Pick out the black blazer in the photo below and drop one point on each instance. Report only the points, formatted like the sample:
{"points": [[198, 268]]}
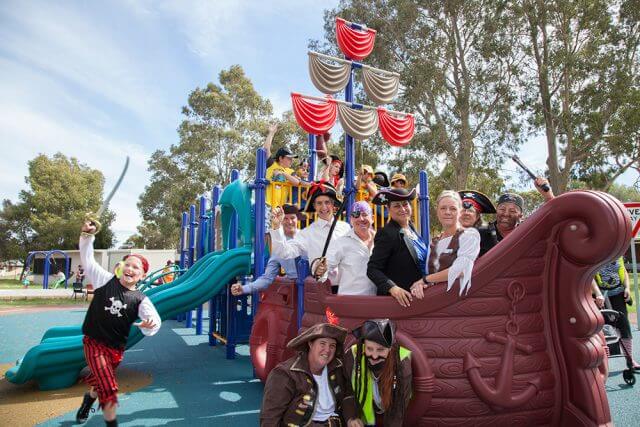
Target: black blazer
{"points": [[394, 260]]}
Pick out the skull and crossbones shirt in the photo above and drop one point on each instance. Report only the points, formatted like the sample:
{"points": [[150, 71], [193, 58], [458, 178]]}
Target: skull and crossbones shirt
{"points": [[112, 312], [114, 308]]}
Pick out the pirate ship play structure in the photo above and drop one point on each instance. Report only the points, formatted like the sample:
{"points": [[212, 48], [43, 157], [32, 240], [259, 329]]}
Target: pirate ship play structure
{"points": [[523, 347]]}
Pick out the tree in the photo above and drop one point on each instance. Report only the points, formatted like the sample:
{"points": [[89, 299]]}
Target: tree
{"points": [[61, 191], [223, 127], [457, 63], [583, 86]]}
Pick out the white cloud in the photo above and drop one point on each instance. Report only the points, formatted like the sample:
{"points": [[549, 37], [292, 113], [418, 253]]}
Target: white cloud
{"points": [[33, 134], [69, 45]]}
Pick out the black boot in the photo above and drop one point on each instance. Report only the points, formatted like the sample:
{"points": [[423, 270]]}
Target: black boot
{"points": [[83, 413], [112, 423]]}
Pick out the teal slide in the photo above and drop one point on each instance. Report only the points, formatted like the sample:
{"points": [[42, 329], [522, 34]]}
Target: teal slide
{"points": [[59, 358]]}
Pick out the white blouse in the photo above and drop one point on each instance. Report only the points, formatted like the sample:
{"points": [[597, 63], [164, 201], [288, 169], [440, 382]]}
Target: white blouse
{"points": [[463, 264]]}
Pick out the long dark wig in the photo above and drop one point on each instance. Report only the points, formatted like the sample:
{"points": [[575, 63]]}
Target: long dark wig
{"points": [[389, 383]]}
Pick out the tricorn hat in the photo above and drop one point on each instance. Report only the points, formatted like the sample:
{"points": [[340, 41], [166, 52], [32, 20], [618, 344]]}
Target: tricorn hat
{"points": [[320, 188], [479, 201], [319, 330], [381, 331], [387, 195], [381, 179], [516, 199]]}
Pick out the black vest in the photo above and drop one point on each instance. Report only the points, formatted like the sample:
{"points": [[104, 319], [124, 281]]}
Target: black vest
{"points": [[113, 310]]}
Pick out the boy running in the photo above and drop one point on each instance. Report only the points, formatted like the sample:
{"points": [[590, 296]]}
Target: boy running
{"points": [[115, 306]]}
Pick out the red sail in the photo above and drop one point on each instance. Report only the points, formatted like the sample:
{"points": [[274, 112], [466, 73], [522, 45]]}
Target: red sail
{"points": [[314, 117], [398, 131], [355, 44]]}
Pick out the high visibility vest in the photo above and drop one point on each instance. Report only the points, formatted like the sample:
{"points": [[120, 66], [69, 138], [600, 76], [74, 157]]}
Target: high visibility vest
{"points": [[621, 271], [367, 409]]}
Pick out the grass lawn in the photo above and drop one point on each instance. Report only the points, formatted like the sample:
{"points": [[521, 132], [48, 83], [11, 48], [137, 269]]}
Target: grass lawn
{"points": [[80, 302], [10, 284]]}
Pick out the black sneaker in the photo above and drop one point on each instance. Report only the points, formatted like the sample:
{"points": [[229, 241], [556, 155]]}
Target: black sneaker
{"points": [[83, 413]]}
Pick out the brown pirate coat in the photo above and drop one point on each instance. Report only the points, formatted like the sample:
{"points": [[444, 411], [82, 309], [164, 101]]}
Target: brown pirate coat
{"points": [[291, 393]]}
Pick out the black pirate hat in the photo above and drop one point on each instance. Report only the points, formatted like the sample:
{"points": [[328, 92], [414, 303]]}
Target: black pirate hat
{"points": [[381, 179], [387, 195], [381, 331], [479, 201], [320, 188]]}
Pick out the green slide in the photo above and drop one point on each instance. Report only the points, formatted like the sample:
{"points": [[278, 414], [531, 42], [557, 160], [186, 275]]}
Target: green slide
{"points": [[59, 358]]}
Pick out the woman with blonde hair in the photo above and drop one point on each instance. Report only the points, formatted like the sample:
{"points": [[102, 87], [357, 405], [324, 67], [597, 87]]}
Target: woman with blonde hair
{"points": [[453, 252]]}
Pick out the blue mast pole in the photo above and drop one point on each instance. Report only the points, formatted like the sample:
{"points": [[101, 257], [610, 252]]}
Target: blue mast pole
{"points": [[215, 198], [312, 156], [349, 153]]}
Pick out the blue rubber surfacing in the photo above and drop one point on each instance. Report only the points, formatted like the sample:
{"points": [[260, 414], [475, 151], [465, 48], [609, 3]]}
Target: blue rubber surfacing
{"points": [[193, 384]]}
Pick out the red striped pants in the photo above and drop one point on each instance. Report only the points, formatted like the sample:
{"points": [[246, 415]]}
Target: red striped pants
{"points": [[102, 361]]}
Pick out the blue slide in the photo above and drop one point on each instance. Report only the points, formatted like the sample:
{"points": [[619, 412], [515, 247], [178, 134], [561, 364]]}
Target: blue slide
{"points": [[57, 361]]}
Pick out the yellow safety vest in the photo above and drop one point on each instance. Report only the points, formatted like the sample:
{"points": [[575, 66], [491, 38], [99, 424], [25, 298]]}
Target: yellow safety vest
{"points": [[368, 411]]}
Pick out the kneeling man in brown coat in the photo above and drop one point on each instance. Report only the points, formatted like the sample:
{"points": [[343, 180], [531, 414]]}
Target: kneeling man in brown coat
{"points": [[310, 388]]}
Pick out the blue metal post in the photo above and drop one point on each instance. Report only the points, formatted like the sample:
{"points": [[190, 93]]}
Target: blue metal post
{"points": [[202, 234], [423, 199], [349, 153], [312, 157], [302, 266], [260, 207], [183, 251], [231, 300], [47, 270], [215, 198], [192, 251]]}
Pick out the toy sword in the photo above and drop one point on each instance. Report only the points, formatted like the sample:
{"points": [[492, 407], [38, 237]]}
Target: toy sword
{"points": [[333, 226], [94, 218], [544, 187]]}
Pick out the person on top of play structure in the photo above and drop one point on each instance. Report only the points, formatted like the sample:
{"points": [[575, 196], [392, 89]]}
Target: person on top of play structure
{"points": [[271, 131], [350, 254], [168, 272], [280, 171], [366, 188], [310, 388], [275, 266], [452, 253], [115, 307], [474, 204], [612, 280], [509, 212], [397, 260], [309, 242], [381, 179], [398, 180], [380, 372]]}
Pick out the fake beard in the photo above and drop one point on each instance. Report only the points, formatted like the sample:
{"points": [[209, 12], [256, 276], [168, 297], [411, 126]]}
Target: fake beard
{"points": [[377, 368]]}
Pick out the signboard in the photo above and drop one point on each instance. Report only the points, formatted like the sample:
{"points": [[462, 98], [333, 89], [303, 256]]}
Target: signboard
{"points": [[634, 213]]}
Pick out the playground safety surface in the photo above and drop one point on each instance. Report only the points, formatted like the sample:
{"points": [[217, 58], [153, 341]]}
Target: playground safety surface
{"points": [[179, 380]]}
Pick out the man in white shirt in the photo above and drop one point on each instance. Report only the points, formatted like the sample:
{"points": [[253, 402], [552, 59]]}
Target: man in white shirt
{"points": [[350, 254], [309, 242]]}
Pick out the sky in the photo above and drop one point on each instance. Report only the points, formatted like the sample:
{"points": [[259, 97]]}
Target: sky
{"points": [[102, 80]]}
